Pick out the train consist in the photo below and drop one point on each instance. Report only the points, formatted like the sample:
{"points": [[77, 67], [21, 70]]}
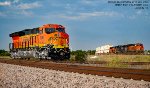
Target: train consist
{"points": [[137, 48], [49, 41]]}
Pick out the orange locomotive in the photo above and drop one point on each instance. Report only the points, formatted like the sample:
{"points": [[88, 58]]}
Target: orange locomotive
{"points": [[49, 41], [127, 49]]}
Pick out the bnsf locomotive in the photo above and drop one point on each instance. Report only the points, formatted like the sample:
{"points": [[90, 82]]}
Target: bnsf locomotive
{"points": [[49, 41], [127, 49]]}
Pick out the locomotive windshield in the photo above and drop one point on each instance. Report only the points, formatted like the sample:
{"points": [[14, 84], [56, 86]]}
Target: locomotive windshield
{"points": [[49, 30], [60, 29]]}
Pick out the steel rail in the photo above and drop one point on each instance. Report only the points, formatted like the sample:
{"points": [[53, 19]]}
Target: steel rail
{"points": [[136, 74]]}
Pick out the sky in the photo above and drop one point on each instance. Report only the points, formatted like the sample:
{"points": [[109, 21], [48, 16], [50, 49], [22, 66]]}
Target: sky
{"points": [[89, 23]]}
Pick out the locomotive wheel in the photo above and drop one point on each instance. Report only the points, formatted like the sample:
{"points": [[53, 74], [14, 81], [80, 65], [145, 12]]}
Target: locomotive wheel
{"points": [[62, 55]]}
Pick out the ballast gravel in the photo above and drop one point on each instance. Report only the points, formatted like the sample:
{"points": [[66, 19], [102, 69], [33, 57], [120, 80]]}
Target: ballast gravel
{"points": [[14, 76]]}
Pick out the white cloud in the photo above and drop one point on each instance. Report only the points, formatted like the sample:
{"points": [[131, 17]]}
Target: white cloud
{"points": [[26, 13], [16, 8], [28, 5], [16, 1], [6, 3], [81, 16], [70, 17], [86, 1], [92, 2], [93, 14], [139, 14]]}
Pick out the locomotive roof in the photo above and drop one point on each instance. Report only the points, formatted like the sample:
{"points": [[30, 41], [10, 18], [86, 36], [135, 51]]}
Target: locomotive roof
{"points": [[24, 32], [31, 31]]}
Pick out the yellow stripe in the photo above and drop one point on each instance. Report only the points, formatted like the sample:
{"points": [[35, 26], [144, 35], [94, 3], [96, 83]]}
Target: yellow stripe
{"points": [[59, 46]]}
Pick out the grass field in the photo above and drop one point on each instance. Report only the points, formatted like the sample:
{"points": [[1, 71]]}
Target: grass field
{"points": [[4, 57], [120, 58], [112, 60], [117, 60]]}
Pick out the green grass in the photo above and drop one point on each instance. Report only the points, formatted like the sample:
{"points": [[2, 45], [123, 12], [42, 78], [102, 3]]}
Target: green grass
{"points": [[116, 60], [4, 57], [112, 60], [121, 58]]}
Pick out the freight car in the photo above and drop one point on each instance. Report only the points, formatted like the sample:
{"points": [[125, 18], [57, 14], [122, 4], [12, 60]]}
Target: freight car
{"points": [[103, 49], [137, 48], [49, 41]]}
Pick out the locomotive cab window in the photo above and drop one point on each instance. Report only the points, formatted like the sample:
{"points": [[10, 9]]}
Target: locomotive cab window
{"points": [[34, 31], [60, 29], [37, 31], [49, 30]]}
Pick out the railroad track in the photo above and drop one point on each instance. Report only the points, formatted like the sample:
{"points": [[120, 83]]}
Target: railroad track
{"points": [[135, 74]]}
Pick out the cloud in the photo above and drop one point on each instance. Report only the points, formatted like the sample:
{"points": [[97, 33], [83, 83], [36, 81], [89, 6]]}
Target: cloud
{"points": [[28, 5], [92, 2], [81, 16], [93, 14], [16, 7], [16, 1], [86, 1], [26, 13], [138, 14], [6, 3]]}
